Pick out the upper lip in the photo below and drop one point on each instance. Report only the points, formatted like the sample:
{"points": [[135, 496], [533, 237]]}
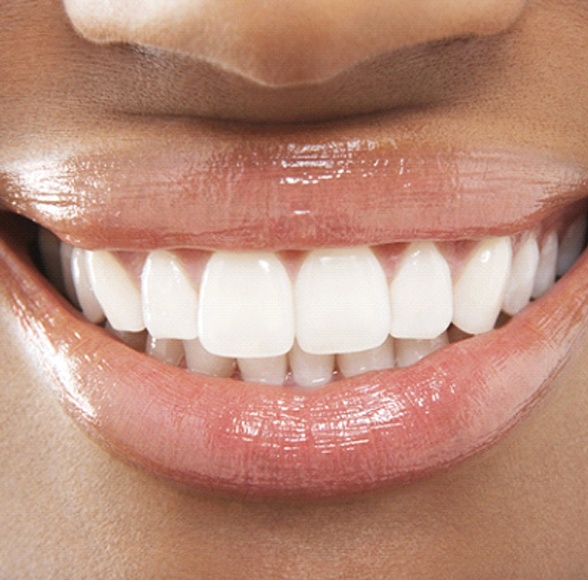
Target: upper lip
{"points": [[250, 188]]}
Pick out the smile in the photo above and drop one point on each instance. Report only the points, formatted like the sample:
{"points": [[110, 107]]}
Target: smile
{"points": [[297, 358]]}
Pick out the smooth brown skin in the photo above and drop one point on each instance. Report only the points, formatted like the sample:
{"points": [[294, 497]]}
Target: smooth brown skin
{"points": [[68, 509]]}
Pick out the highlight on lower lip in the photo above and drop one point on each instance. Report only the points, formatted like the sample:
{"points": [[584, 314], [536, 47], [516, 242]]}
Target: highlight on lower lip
{"points": [[361, 434]]}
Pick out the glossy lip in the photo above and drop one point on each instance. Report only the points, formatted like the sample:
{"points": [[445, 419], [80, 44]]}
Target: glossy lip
{"points": [[353, 436]]}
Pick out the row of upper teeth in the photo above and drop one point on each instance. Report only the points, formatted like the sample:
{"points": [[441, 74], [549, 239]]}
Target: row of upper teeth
{"points": [[326, 308]]}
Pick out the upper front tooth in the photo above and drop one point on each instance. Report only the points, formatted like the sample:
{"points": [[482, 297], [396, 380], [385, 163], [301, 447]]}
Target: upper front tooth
{"points": [[479, 291], [246, 306], [118, 294], [86, 297], [571, 245], [545, 276], [66, 252], [342, 302], [524, 267], [170, 301], [421, 293]]}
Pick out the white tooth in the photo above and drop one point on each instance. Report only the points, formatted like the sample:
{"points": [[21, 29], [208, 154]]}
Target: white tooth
{"points": [[86, 297], [374, 359], [479, 291], [409, 352], [421, 294], [342, 302], [170, 301], [118, 294], [524, 268], [268, 370], [199, 360], [134, 340], [66, 252], [165, 350], [246, 306], [50, 248], [571, 246], [311, 370], [545, 277]]}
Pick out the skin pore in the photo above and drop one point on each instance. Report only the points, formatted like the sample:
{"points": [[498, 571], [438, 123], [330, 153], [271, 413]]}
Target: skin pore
{"points": [[511, 76]]}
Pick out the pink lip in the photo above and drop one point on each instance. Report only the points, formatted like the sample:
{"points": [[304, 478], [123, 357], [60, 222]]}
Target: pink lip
{"points": [[353, 436]]}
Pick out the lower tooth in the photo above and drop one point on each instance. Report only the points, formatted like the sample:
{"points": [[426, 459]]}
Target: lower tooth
{"points": [[165, 350], [374, 359], [311, 370], [571, 245], [199, 360], [545, 277], [409, 352], [271, 370]]}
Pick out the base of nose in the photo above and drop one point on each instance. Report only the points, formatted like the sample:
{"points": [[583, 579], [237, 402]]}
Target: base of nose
{"points": [[288, 42]]}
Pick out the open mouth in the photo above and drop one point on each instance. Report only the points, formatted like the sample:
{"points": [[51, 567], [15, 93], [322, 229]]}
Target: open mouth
{"points": [[307, 369]]}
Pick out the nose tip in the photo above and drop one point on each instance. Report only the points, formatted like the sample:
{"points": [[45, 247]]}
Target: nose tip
{"points": [[287, 42]]}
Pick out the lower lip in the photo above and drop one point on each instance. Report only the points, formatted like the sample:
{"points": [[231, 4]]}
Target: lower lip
{"points": [[353, 436]]}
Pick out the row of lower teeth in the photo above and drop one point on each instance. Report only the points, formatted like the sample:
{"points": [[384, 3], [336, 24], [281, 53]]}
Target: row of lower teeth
{"points": [[306, 314]]}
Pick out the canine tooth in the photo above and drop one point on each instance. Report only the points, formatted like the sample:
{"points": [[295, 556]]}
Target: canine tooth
{"points": [[117, 292], [571, 246], [374, 359], [199, 360], [268, 370], [84, 292], [134, 340], [50, 248], [170, 301], [342, 302], [66, 252], [545, 277], [409, 352], [479, 291], [246, 306], [311, 370], [421, 294], [524, 268], [168, 351]]}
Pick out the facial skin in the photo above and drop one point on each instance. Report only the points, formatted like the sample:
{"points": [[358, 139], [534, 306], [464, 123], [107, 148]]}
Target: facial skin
{"points": [[510, 75]]}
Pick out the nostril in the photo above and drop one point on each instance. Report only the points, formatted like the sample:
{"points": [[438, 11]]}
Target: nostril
{"points": [[287, 42]]}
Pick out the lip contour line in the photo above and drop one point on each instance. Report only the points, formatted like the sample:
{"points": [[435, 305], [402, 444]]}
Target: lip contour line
{"points": [[356, 435]]}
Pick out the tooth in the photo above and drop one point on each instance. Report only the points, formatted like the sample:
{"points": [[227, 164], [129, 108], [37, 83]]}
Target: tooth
{"points": [[342, 302], [311, 370], [571, 245], [409, 351], [268, 370], [66, 252], [170, 301], [199, 360], [374, 359], [524, 268], [421, 294], [84, 292], [50, 248], [545, 277], [117, 292], [246, 307], [479, 291], [134, 340], [168, 351]]}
